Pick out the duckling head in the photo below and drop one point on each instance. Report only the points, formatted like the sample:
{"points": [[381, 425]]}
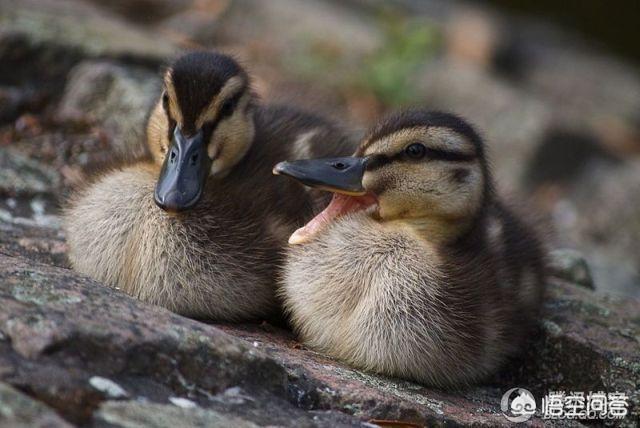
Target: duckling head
{"points": [[200, 128], [425, 170]]}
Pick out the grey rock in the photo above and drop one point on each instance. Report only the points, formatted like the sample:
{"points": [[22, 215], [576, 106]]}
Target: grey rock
{"points": [[61, 330], [184, 403], [293, 26], [41, 40], [587, 343], [600, 214], [571, 266], [117, 97], [194, 26], [604, 87], [16, 100], [76, 25], [563, 156], [509, 119], [39, 239], [11, 100], [146, 11], [108, 387], [142, 413], [20, 175], [131, 414], [18, 410]]}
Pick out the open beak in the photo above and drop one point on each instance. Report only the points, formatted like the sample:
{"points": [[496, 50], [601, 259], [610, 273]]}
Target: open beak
{"points": [[342, 176], [339, 175], [184, 173]]}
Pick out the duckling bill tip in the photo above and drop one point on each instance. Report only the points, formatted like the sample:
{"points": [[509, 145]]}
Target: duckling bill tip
{"points": [[279, 168]]}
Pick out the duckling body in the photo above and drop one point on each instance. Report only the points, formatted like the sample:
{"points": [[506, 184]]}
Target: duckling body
{"points": [[441, 292], [217, 259]]}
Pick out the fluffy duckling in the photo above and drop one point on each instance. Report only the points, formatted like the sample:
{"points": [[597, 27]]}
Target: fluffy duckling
{"points": [[199, 228], [415, 269]]}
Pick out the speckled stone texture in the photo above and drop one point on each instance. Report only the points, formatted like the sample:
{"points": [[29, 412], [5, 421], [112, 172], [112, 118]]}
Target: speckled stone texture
{"points": [[58, 330]]}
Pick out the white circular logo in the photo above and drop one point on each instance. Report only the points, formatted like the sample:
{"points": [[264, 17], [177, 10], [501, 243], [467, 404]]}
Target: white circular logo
{"points": [[518, 405]]}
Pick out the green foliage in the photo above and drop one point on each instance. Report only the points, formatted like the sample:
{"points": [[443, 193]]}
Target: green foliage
{"points": [[389, 71]]}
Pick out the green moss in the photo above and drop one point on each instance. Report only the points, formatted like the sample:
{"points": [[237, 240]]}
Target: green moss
{"points": [[582, 307], [552, 328], [42, 295], [352, 409], [633, 366]]}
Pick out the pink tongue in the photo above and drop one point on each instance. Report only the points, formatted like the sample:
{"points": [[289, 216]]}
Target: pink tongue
{"points": [[340, 205]]}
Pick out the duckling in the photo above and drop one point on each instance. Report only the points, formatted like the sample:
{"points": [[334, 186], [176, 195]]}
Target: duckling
{"points": [[415, 269], [199, 227]]}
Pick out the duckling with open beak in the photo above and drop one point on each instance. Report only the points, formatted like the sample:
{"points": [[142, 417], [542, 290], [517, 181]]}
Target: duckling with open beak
{"points": [[415, 269], [342, 176]]}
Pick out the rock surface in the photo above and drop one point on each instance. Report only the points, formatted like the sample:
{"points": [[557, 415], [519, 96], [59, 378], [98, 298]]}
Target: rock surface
{"points": [[20, 174], [338, 27], [116, 97], [18, 410], [160, 367], [41, 40], [67, 29], [510, 118], [571, 266]]}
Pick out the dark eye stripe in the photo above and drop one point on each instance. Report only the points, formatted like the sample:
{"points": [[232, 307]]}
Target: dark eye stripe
{"points": [[446, 155], [378, 161], [165, 101], [232, 102]]}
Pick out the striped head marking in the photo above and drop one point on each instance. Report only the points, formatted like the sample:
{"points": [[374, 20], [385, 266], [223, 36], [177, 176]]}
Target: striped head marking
{"points": [[201, 127], [425, 164]]}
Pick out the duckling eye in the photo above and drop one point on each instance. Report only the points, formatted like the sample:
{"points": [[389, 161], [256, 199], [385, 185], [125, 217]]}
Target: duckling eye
{"points": [[227, 108], [416, 151], [165, 102]]}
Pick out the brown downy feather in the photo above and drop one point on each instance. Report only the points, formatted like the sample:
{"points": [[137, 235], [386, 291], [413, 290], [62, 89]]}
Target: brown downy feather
{"points": [[217, 260], [440, 284]]}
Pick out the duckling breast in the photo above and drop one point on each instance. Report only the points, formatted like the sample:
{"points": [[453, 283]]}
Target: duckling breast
{"points": [[210, 263], [382, 301]]}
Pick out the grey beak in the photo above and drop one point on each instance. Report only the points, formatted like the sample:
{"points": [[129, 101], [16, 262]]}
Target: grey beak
{"points": [[184, 173], [341, 175]]}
